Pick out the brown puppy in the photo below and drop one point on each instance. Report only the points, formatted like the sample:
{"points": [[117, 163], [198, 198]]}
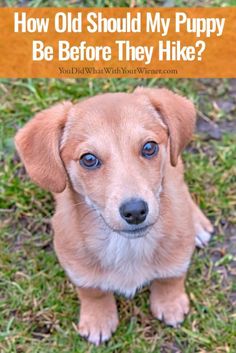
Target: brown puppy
{"points": [[124, 215]]}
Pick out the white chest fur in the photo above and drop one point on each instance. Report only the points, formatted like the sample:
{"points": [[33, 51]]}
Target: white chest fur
{"points": [[127, 265]]}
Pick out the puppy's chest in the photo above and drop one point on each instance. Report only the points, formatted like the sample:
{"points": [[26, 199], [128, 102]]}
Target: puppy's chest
{"points": [[126, 265], [130, 260]]}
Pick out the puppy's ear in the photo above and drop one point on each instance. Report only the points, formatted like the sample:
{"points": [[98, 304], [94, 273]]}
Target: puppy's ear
{"points": [[178, 113], [38, 146]]}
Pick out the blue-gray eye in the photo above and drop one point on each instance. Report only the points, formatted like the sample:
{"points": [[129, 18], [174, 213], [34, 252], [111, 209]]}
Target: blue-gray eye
{"points": [[150, 149], [89, 161]]}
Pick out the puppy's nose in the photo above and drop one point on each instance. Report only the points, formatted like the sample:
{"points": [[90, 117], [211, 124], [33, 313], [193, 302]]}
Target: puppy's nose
{"points": [[134, 211]]}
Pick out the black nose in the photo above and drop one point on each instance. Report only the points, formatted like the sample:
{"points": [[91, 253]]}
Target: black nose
{"points": [[134, 211]]}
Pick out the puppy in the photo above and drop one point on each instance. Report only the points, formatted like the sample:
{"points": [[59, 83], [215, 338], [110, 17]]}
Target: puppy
{"points": [[124, 216]]}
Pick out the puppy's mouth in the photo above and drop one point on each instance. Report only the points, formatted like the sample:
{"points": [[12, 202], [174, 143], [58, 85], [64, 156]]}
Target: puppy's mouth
{"points": [[132, 232], [135, 233]]}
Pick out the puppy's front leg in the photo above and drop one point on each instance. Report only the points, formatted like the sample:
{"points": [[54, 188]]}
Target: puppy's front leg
{"points": [[169, 301], [98, 315]]}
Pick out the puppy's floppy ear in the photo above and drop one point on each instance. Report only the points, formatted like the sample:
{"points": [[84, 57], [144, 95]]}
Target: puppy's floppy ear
{"points": [[178, 113], [38, 146]]}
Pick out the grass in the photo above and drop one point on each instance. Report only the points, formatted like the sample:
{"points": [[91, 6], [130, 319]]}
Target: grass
{"points": [[38, 305], [118, 3]]}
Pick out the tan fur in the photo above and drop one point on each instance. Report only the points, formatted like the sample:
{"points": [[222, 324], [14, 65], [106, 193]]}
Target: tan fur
{"points": [[38, 146], [168, 300], [98, 313], [91, 240], [179, 115]]}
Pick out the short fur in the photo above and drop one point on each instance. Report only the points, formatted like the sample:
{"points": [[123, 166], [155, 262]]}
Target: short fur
{"points": [[99, 251]]}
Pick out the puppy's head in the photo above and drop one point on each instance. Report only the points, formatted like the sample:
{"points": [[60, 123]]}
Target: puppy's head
{"points": [[112, 149]]}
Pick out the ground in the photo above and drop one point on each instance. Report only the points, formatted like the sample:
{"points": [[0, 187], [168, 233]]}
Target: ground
{"points": [[39, 308]]}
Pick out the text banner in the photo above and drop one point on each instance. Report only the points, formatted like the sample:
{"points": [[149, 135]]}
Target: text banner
{"points": [[118, 42]]}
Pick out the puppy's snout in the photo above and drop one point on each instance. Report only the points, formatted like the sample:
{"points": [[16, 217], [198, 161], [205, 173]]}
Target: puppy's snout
{"points": [[134, 211]]}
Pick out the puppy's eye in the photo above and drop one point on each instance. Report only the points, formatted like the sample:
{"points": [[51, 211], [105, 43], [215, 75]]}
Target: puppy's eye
{"points": [[89, 161], [150, 149]]}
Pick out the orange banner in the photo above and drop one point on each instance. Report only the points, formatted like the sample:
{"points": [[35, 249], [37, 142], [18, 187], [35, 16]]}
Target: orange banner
{"points": [[118, 42]]}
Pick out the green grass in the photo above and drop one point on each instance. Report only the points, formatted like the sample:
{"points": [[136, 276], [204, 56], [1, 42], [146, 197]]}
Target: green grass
{"points": [[118, 3], [38, 305]]}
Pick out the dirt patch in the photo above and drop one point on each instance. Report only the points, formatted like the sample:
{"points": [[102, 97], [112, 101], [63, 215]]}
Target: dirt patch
{"points": [[228, 126], [223, 256]]}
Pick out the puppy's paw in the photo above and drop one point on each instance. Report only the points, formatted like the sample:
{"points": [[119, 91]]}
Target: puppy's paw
{"points": [[203, 229], [203, 233], [171, 312], [97, 326]]}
